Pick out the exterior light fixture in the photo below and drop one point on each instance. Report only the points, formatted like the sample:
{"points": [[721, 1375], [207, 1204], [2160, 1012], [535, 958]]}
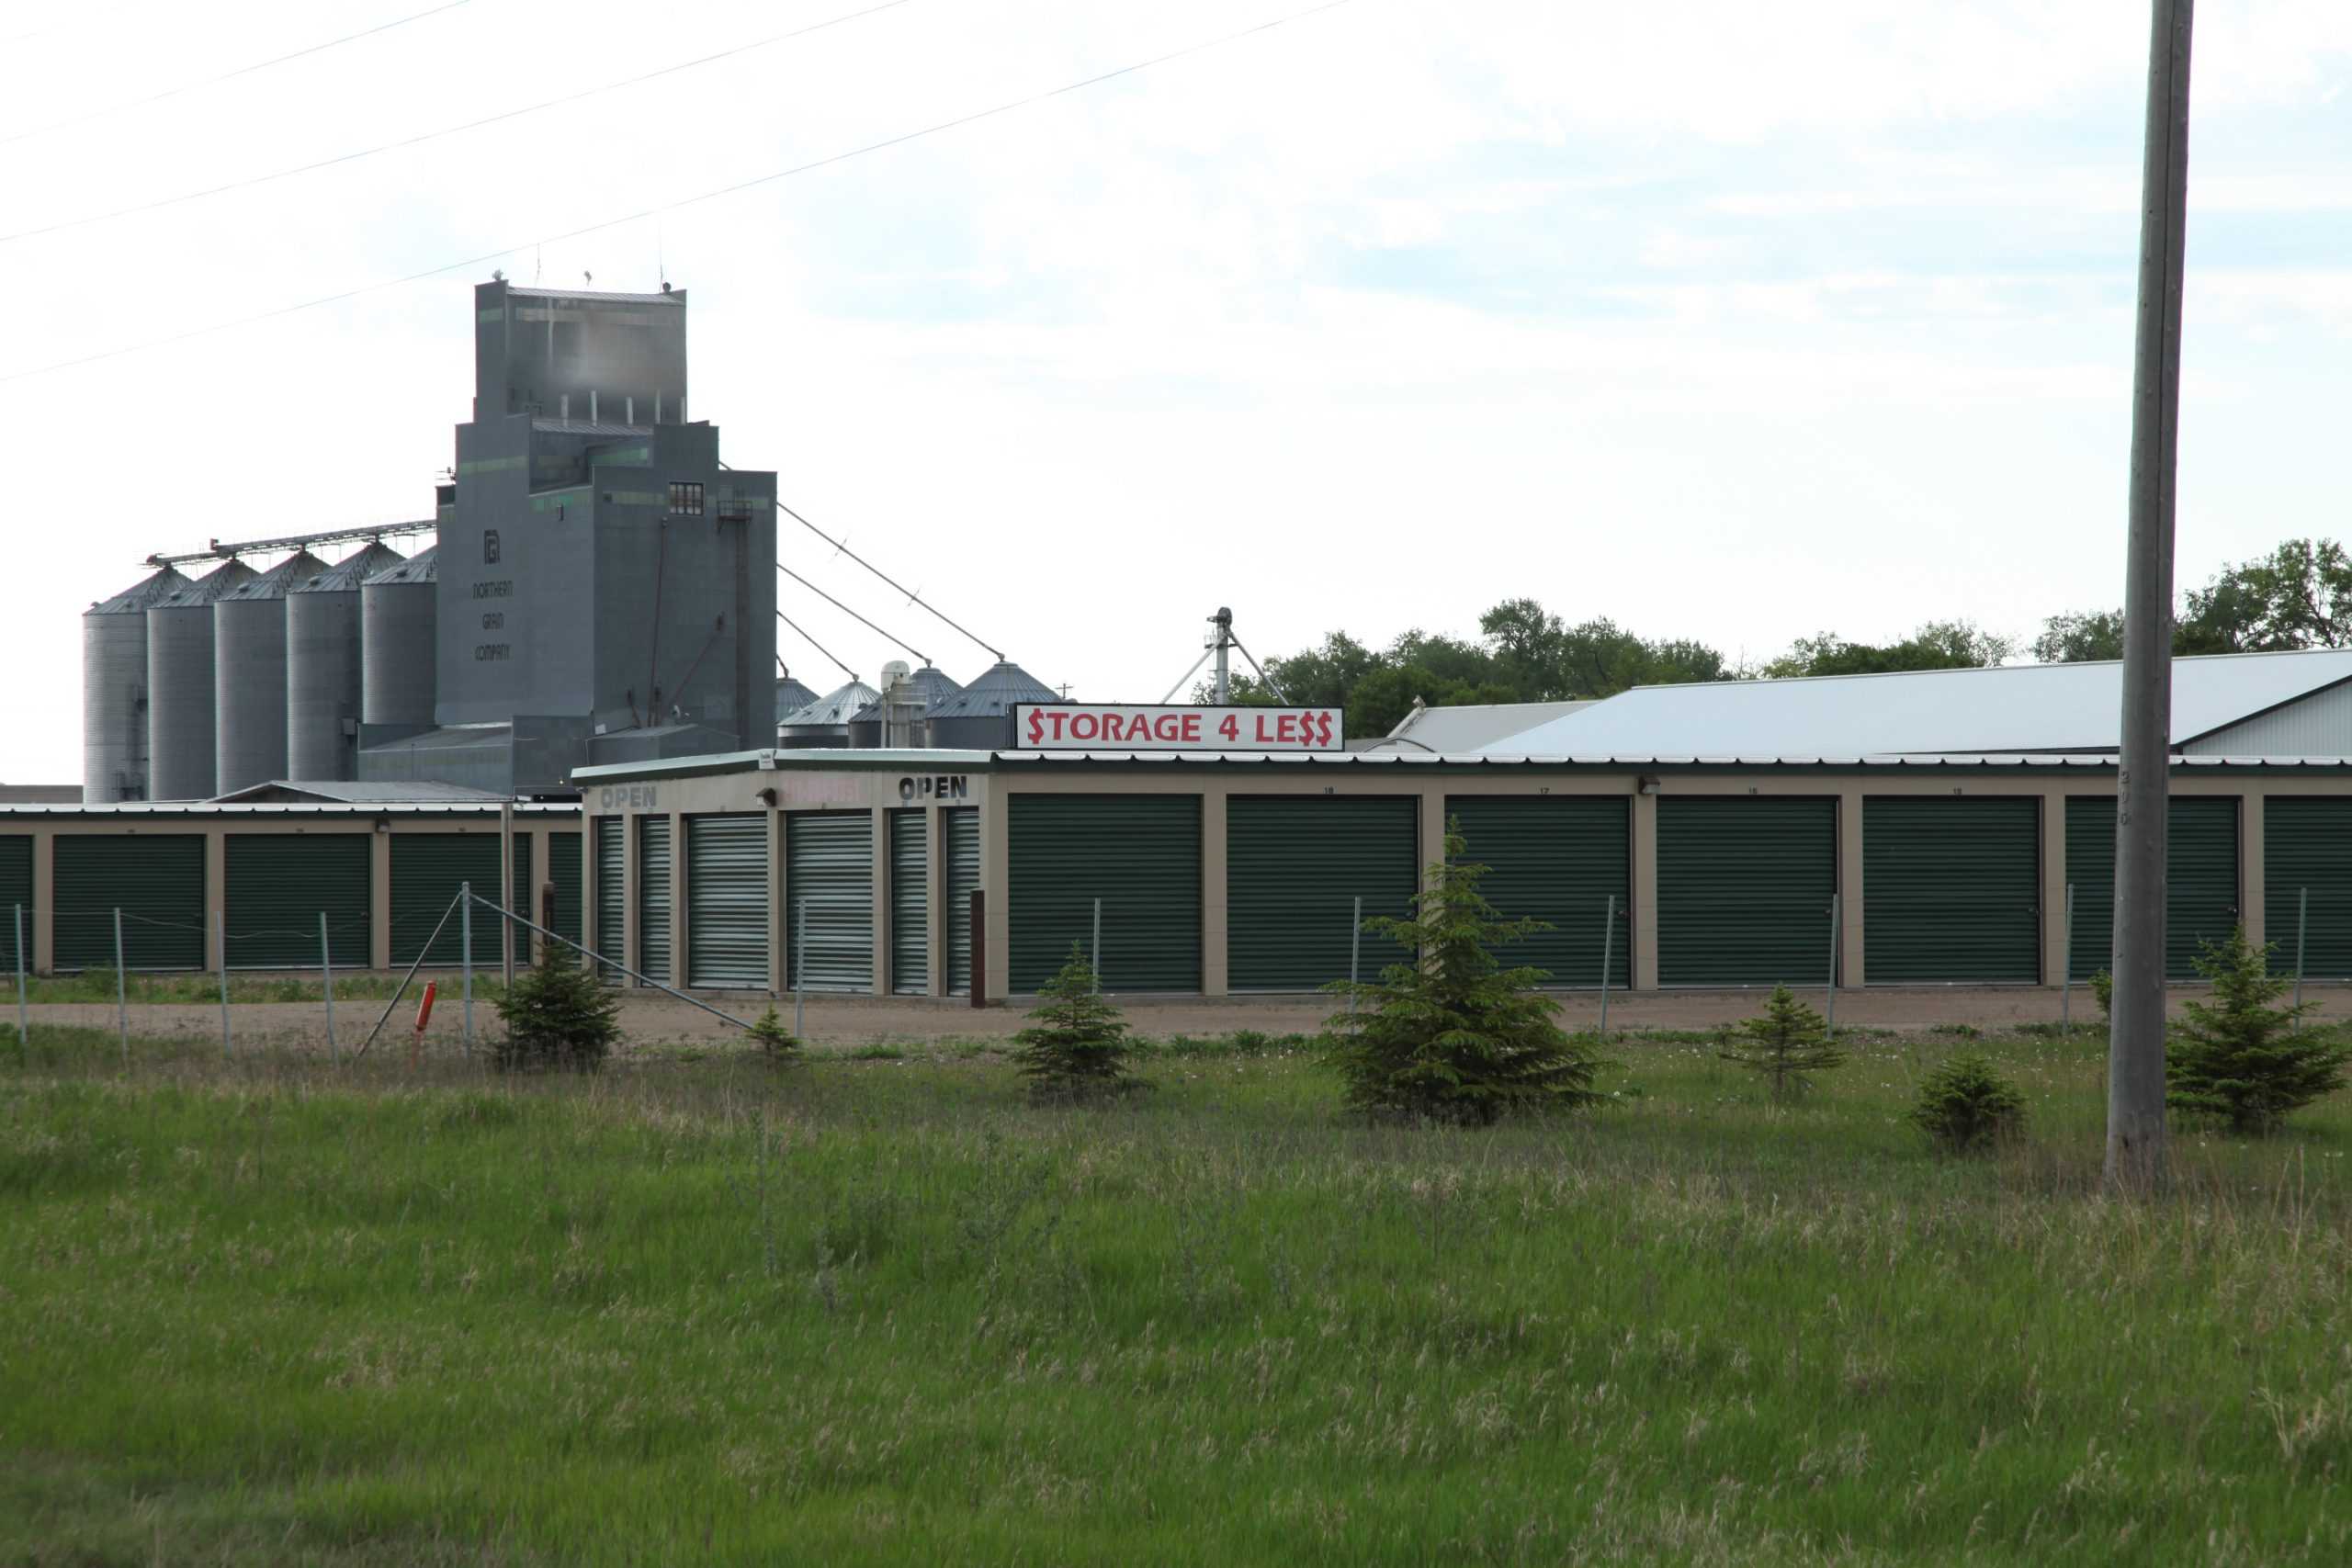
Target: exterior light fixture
{"points": [[1650, 785]]}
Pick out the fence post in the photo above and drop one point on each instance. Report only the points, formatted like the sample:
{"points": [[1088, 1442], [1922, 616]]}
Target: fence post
{"points": [[1094, 955], [466, 940], [121, 995], [2302, 924], [800, 969], [1834, 900], [23, 1018], [1608, 958], [1355, 943], [221, 930], [326, 978], [2067, 969], [980, 975]]}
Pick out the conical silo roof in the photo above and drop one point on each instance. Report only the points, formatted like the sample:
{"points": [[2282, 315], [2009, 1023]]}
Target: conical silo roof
{"points": [[836, 707], [993, 692], [141, 595], [930, 683], [791, 696], [278, 580], [422, 567], [346, 576], [218, 584]]}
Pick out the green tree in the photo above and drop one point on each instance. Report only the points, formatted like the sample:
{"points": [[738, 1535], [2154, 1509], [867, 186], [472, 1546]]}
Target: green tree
{"points": [[1966, 1105], [2242, 1058], [2299, 596], [1076, 1045], [1449, 1034], [2080, 637], [1937, 644], [556, 1014], [776, 1044], [1787, 1045]]}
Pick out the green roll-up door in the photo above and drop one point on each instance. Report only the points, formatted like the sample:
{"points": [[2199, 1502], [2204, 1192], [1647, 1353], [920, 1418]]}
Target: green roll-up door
{"points": [[612, 910], [1561, 859], [909, 903], [156, 880], [1140, 855], [1952, 889], [2201, 874], [960, 830], [2307, 846], [15, 892], [563, 871], [1294, 866], [727, 901], [277, 885], [829, 893], [525, 900], [427, 871], [1744, 885], [653, 898]]}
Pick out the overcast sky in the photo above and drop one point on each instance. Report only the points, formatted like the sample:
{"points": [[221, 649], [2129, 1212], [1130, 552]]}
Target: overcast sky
{"points": [[1727, 320]]}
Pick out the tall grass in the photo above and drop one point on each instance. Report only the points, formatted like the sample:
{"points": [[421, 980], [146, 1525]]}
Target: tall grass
{"points": [[883, 1310]]}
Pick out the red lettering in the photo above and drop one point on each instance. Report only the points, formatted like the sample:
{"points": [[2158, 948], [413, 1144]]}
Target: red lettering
{"points": [[1230, 727], [1059, 719], [1192, 727], [1286, 728], [1036, 727], [1084, 726], [1112, 726], [1168, 726]]}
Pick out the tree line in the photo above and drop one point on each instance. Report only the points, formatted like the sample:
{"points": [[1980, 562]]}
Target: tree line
{"points": [[2299, 595]]}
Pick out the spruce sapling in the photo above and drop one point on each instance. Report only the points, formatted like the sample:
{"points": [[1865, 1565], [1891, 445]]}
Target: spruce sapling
{"points": [[1787, 1045], [2241, 1057]]}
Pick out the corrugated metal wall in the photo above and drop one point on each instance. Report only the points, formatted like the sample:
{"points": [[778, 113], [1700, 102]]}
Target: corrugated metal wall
{"points": [[2316, 726], [1560, 857], [1140, 855], [829, 895], [2307, 845], [909, 903], [727, 901], [653, 898], [1296, 865], [427, 871], [1952, 889], [274, 888], [960, 830], [15, 891], [157, 880], [612, 895], [2202, 861], [1743, 887]]}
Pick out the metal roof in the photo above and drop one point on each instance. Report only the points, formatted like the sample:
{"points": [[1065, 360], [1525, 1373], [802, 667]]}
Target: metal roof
{"points": [[1466, 726], [992, 692], [2016, 707], [930, 683], [835, 707], [360, 793], [422, 567], [141, 594], [345, 575], [598, 295], [791, 696], [182, 808], [280, 579], [218, 584]]}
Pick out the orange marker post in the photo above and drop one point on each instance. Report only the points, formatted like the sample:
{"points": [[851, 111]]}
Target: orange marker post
{"points": [[424, 1016]]}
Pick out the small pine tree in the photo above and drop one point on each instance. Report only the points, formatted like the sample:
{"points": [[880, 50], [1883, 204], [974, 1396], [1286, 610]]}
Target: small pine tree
{"points": [[556, 1015], [2103, 988], [1076, 1047], [1966, 1105], [2239, 1056], [1450, 1034], [778, 1045], [1788, 1043]]}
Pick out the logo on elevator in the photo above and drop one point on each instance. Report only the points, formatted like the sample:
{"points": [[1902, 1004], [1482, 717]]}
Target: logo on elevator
{"points": [[937, 786]]}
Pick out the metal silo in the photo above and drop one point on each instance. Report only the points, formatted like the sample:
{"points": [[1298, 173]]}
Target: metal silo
{"points": [[928, 686], [113, 690], [791, 696], [825, 722], [980, 717], [399, 612], [179, 685], [323, 667], [249, 674]]}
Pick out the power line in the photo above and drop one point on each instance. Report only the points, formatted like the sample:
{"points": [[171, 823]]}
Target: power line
{"points": [[912, 597], [853, 615], [739, 187], [251, 180], [229, 76], [812, 642]]}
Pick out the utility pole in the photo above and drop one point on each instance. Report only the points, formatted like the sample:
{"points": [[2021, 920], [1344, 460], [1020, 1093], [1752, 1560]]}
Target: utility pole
{"points": [[1222, 625], [2135, 1052]]}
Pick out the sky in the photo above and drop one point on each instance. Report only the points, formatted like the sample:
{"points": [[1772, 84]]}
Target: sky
{"points": [[1721, 321]]}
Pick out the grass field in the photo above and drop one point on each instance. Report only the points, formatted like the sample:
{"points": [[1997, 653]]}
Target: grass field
{"points": [[145, 990], [880, 1311]]}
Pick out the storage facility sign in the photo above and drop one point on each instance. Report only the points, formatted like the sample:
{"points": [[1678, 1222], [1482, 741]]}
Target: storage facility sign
{"points": [[1062, 726]]}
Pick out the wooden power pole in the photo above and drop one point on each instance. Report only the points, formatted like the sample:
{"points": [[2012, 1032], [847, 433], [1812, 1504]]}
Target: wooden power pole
{"points": [[2135, 1059]]}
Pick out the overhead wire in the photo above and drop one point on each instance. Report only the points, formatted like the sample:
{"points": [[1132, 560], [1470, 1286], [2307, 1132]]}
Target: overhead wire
{"points": [[249, 181], [354, 292], [229, 76], [812, 642], [853, 615], [912, 597]]}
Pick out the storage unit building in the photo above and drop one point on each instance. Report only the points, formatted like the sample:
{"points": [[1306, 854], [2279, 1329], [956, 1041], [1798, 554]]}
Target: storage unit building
{"points": [[1137, 856], [1952, 889], [2202, 858], [829, 887], [2307, 878], [1744, 889], [1298, 869], [1566, 860], [727, 901], [281, 886]]}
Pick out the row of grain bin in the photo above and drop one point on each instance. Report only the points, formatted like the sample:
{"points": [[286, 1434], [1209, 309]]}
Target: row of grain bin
{"points": [[194, 688]]}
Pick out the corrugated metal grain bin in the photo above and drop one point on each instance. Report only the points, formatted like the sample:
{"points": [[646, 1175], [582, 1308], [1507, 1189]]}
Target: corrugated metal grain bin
{"points": [[399, 612], [323, 667], [113, 690], [249, 675], [180, 755]]}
